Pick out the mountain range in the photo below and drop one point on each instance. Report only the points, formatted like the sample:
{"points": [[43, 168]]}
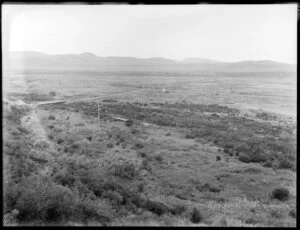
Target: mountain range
{"points": [[31, 59]]}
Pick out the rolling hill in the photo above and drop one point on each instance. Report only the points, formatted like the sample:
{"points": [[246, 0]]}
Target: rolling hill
{"points": [[31, 60]]}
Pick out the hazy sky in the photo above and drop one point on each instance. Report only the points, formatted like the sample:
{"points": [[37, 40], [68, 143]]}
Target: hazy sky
{"points": [[222, 32]]}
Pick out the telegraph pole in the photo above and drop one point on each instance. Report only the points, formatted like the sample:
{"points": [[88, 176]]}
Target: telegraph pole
{"points": [[98, 113]]}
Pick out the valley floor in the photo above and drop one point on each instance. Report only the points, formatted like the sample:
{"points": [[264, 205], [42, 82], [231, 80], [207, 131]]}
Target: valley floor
{"points": [[163, 167]]}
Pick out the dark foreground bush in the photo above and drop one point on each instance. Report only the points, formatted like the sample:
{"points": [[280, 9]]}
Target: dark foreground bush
{"points": [[178, 209], [155, 207], [38, 199], [244, 158], [41, 199], [293, 213], [196, 216], [280, 194], [114, 196]]}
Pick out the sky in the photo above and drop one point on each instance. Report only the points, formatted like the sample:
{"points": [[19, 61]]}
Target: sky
{"points": [[220, 32]]}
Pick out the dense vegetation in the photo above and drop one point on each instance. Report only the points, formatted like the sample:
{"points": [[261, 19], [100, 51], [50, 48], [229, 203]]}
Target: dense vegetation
{"points": [[76, 188], [259, 140]]}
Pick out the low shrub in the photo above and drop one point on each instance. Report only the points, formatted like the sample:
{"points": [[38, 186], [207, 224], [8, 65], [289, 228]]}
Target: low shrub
{"points": [[135, 131], [139, 145], [109, 145], [16, 133], [195, 216], [190, 136], [285, 164], [23, 130], [21, 166], [89, 138], [218, 158], [115, 197], [16, 147], [41, 199], [164, 121], [133, 199], [126, 170], [226, 150], [75, 146], [178, 209], [59, 141], [145, 164], [244, 158], [268, 164], [293, 213], [142, 154], [253, 170], [52, 93], [16, 113], [257, 158], [42, 144], [251, 220], [280, 194], [159, 158], [140, 187], [213, 188], [80, 124], [65, 179], [109, 100], [51, 117], [155, 207], [129, 123]]}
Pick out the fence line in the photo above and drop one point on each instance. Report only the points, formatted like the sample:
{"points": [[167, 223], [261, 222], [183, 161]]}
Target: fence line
{"points": [[81, 99]]}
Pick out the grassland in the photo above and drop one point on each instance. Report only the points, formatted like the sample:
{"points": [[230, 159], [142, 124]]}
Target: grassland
{"points": [[206, 151]]}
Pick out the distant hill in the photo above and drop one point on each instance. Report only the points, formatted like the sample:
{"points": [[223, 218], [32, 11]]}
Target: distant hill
{"points": [[29, 60], [258, 66], [200, 61]]}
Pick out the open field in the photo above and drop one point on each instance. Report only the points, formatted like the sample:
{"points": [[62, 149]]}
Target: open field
{"points": [[196, 150], [274, 92]]}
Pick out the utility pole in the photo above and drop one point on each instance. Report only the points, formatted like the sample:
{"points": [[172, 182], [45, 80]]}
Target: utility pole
{"points": [[98, 113]]}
